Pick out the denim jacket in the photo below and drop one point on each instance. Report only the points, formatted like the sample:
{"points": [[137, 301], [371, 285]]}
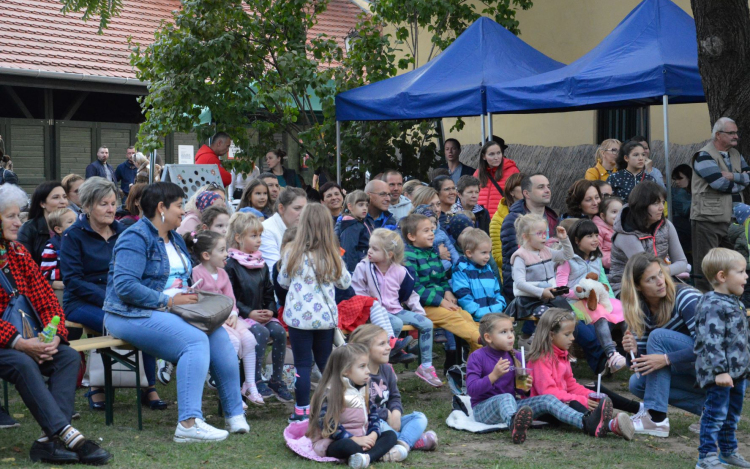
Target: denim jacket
{"points": [[139, 270]]}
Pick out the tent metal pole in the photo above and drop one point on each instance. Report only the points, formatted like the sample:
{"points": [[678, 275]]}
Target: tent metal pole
{"points": [[484, 134], [152, 167], [489, 126], [668, 174], [338, 152]]}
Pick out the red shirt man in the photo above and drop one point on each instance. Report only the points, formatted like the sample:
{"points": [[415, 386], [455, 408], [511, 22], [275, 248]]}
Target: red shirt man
{"points": [[220, 144]]}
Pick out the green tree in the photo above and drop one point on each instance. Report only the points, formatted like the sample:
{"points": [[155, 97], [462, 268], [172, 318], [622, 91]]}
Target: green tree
{"points": [[252, 63]]}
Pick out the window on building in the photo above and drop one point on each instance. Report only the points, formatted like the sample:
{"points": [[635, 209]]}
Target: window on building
{"points": [[622, 123]]}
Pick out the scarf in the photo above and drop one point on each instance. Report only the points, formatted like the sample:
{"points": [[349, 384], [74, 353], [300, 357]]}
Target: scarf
{"points": [[248, 261]]}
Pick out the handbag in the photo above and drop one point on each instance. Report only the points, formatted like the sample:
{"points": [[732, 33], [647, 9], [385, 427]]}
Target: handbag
{"points": [[19, 312], [209, 313], [122, 377]]}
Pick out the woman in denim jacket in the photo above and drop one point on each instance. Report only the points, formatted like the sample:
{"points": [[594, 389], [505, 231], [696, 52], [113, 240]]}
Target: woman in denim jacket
{"points": [[148, 275]]}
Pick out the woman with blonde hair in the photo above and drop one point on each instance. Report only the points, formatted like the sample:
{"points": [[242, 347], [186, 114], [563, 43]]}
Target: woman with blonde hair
{"points": [[606, 164], [661, 336]]}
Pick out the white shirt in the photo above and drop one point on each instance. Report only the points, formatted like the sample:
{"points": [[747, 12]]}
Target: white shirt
{"points": [[177, 281]]}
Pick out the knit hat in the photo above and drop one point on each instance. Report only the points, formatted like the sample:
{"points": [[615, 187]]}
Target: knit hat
{"points": [[741, 213], [457, 224], [205, 200], [425, 210]]}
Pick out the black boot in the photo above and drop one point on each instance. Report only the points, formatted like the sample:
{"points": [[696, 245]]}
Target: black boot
{"points": [[595, 422], [450, 360], [52, 451]]}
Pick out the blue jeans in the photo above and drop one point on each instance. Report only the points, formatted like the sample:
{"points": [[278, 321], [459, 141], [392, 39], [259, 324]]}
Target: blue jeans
{"points": [[585, 335], [412, 427], [668, 386], [168, 336], [721, 413], [93, 317], [422, 325], [307, 344]]}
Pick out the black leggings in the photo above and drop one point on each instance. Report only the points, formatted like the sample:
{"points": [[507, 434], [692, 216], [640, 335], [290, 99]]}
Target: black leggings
{"points": [[346, 447], [618, 402]]}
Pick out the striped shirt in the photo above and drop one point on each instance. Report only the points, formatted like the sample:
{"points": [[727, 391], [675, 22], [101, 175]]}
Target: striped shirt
{"points": [[709, 170], [431, 282], [682, 321]]}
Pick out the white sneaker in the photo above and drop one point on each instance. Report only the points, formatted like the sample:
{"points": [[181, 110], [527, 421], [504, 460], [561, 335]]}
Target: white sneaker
{"points": [[645, 426], [396, 454], [164, 373], [237, 424], [359, 461], [200, 432]]}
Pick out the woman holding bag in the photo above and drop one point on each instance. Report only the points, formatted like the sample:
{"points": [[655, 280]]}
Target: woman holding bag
{"points": [[148, 277], [26, 362]]}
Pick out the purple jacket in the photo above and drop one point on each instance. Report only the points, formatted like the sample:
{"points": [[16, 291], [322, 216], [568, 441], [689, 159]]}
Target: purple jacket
{"points": [[480, 365]]}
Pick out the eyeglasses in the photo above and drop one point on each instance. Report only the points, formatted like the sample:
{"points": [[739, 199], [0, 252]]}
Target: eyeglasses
{"points": [[213, 185], [613, 150], [541, 234], [735, 133]]}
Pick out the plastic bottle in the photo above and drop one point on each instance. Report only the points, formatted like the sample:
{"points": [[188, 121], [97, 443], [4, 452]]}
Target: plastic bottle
{"points": [[49, 332]]}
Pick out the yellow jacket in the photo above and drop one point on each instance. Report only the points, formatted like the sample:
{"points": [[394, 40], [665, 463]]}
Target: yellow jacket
{"points": [[495, 224], [598, 173]]}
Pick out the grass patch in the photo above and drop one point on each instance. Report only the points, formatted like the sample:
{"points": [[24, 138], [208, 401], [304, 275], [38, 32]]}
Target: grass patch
{"points": [[264, 446]]}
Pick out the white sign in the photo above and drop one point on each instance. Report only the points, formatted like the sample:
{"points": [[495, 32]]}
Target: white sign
{"points": [[185, 154], [233, 151]]}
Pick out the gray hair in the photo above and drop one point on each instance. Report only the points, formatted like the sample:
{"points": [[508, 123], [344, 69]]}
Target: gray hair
{"points": [[12, 196], [719, 126], [94, 189]]}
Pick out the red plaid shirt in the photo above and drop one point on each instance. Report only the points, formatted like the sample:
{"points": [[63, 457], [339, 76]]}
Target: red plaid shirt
{"points": [[30, 282]]}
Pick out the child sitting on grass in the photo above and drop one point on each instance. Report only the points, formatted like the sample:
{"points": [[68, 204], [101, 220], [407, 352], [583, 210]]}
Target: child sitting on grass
{"points": [[384, 394], [431, 283], [722, 362], [476, 286], [550, 366], [344, 424], [493, 387]]}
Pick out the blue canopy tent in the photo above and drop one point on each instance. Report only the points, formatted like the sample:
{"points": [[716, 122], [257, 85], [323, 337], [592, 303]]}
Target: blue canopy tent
{"points": [[651, 57], [451, 85]]}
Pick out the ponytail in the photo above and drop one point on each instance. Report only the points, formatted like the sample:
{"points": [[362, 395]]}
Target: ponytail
{"points": [[199, 242]]}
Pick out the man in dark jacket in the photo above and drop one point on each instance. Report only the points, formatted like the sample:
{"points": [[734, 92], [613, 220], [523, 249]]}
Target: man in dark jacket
{"points": [[537, 194], [100, 167], [455, 168], [126, 172], [209, 154]]}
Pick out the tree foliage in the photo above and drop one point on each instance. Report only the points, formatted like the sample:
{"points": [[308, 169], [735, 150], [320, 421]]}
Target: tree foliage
{"points": [[253, 64]]}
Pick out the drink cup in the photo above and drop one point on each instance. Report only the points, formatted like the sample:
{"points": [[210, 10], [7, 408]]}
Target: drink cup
{"points": [[597, 396], [522, 378]]}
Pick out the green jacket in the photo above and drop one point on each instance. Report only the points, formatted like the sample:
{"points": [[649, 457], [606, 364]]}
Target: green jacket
{"points": [[738, 239], [431, 282]]}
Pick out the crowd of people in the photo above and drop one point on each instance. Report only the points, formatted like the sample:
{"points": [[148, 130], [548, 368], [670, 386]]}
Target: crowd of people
{"points": [[462, 259]]}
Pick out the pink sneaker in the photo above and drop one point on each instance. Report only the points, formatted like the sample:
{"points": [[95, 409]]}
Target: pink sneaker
{"points": [[429, 376], [427, 442], [251, 394]]}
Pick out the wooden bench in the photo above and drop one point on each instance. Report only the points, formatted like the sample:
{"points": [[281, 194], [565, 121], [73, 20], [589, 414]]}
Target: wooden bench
{"points": [[130, 360]]}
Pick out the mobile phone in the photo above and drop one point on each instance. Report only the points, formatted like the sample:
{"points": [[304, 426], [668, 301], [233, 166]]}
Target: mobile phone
{"points": [[559, 291]]}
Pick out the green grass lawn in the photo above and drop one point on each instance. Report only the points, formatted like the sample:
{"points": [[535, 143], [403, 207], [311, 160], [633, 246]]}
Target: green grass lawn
{"points": [[264, 446]]}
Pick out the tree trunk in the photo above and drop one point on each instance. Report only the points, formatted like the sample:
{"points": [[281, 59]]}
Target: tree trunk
{"points": [[723, 33]]}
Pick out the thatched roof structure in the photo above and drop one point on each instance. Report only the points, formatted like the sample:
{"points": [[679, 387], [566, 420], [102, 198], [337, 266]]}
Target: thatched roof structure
{"points": [[565, 165]]}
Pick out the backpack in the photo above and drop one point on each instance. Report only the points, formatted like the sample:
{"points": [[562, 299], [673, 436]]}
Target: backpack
{"points": [[8, 176]]}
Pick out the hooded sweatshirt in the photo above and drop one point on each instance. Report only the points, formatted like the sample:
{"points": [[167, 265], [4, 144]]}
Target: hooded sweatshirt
{"points": [[391, 288], [553, 375]]}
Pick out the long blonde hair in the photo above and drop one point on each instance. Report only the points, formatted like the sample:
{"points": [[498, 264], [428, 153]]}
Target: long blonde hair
{"points": [[332, 388], [316, 240], [550, 323], [603, 147], [632, 299]]}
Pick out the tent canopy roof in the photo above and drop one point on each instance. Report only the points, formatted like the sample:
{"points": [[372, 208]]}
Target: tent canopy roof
{"points": [[453, 83], [651, 53]]}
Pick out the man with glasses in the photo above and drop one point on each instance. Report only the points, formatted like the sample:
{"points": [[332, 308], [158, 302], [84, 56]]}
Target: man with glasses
{"points": [[720, 174], [399, 204], [378, 215]]}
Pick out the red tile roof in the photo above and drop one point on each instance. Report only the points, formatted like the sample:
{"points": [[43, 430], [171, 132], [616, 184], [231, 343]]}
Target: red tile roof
{"points": [[37, 36]]}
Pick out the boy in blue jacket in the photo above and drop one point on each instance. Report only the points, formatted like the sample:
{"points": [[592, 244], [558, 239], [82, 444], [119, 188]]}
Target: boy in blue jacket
{"points": [[353, 231], [475, 285]]}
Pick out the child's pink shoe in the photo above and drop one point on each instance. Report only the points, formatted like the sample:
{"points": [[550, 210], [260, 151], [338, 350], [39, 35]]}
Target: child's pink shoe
{"points": [[427, 442], [429, 376], [251, 394]]}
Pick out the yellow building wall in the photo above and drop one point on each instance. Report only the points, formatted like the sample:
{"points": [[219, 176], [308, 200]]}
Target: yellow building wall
{"points": [[565, 30]]}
